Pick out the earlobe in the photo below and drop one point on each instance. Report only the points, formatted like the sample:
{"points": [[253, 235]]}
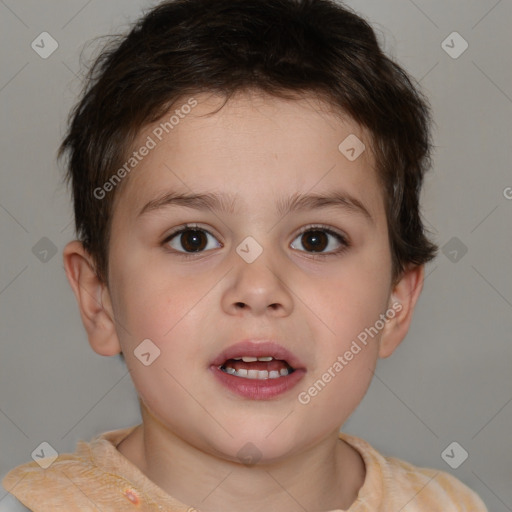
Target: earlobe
{"points": [[401, 306], [93, 299]]}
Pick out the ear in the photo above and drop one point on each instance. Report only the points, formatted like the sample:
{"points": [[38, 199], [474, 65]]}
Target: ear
{"points": [[401, 305], [93, 299]]}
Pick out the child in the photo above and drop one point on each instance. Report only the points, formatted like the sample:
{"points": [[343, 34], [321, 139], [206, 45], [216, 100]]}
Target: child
{"points": [[246, 178]]}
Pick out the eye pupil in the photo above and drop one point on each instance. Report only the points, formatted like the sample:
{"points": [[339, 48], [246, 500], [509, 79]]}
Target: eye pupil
{"points": [[316, 240], [193, 240]]}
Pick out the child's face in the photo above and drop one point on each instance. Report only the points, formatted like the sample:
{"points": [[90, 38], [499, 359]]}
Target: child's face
{"points": [[263, 152]]}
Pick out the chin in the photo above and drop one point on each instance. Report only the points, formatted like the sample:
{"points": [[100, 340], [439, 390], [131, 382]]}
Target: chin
{"points": [[255, 446]]}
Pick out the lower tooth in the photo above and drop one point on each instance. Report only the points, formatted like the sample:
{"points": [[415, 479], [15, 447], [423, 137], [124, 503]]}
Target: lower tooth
{"points": [[256, 374]]}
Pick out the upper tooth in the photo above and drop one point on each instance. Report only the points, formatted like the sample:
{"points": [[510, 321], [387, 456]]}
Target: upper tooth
{"points": [[250, 359]]}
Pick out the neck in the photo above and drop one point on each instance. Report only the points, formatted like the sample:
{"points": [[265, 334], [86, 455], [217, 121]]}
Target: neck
{"points": [[323, 477]]}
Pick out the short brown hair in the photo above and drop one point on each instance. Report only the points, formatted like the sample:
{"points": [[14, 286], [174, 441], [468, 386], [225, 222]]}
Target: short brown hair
{"points": [[185, 47]]}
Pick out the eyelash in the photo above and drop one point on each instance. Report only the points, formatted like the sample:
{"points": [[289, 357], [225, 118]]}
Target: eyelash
{"points": [[316, 227]]}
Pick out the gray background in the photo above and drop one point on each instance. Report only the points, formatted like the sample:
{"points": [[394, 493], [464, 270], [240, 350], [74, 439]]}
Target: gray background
{"points": [[450, 380]]}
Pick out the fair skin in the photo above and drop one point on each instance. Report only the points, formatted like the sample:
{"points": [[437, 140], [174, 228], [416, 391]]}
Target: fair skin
{"points": [[260, 149]]}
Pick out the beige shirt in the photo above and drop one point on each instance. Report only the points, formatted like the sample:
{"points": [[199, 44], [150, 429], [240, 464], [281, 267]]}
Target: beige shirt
{"points": [[98, 477]]}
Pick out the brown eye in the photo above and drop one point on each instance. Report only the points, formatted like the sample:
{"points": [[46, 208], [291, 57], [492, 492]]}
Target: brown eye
{"points": [[318, 240], [190, 240], [193, 240], [315, 241]]}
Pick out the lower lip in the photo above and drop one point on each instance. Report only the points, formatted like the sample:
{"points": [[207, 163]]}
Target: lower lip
{"points": [[257, 389]]}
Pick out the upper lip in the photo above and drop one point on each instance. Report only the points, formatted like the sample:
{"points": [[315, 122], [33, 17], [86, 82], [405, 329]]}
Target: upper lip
{"points": [[258, 348]]}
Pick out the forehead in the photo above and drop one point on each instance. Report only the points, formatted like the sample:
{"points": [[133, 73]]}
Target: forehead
{"points": [[283, 145]]}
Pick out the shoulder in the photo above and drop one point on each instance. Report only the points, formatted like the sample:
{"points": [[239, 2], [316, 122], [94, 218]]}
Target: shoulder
{"points": [[399, 484], [72, 481], [45, 488], [86, 480], [430, 489]]}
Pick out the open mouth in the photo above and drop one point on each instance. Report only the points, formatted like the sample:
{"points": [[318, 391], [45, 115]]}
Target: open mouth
{"points": [[256, 368]]}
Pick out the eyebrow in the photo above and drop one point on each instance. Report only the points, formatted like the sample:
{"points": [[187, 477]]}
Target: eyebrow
{"points": [[226, 204]]}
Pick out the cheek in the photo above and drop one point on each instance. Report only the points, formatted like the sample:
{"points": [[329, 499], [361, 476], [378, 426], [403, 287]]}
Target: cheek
{"points": [[165, 308], [157, 308], [350, 306], [351, 299], [142, 310]]}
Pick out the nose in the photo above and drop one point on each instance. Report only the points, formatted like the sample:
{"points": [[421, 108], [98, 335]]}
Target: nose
{"points": [[258, 288]]}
